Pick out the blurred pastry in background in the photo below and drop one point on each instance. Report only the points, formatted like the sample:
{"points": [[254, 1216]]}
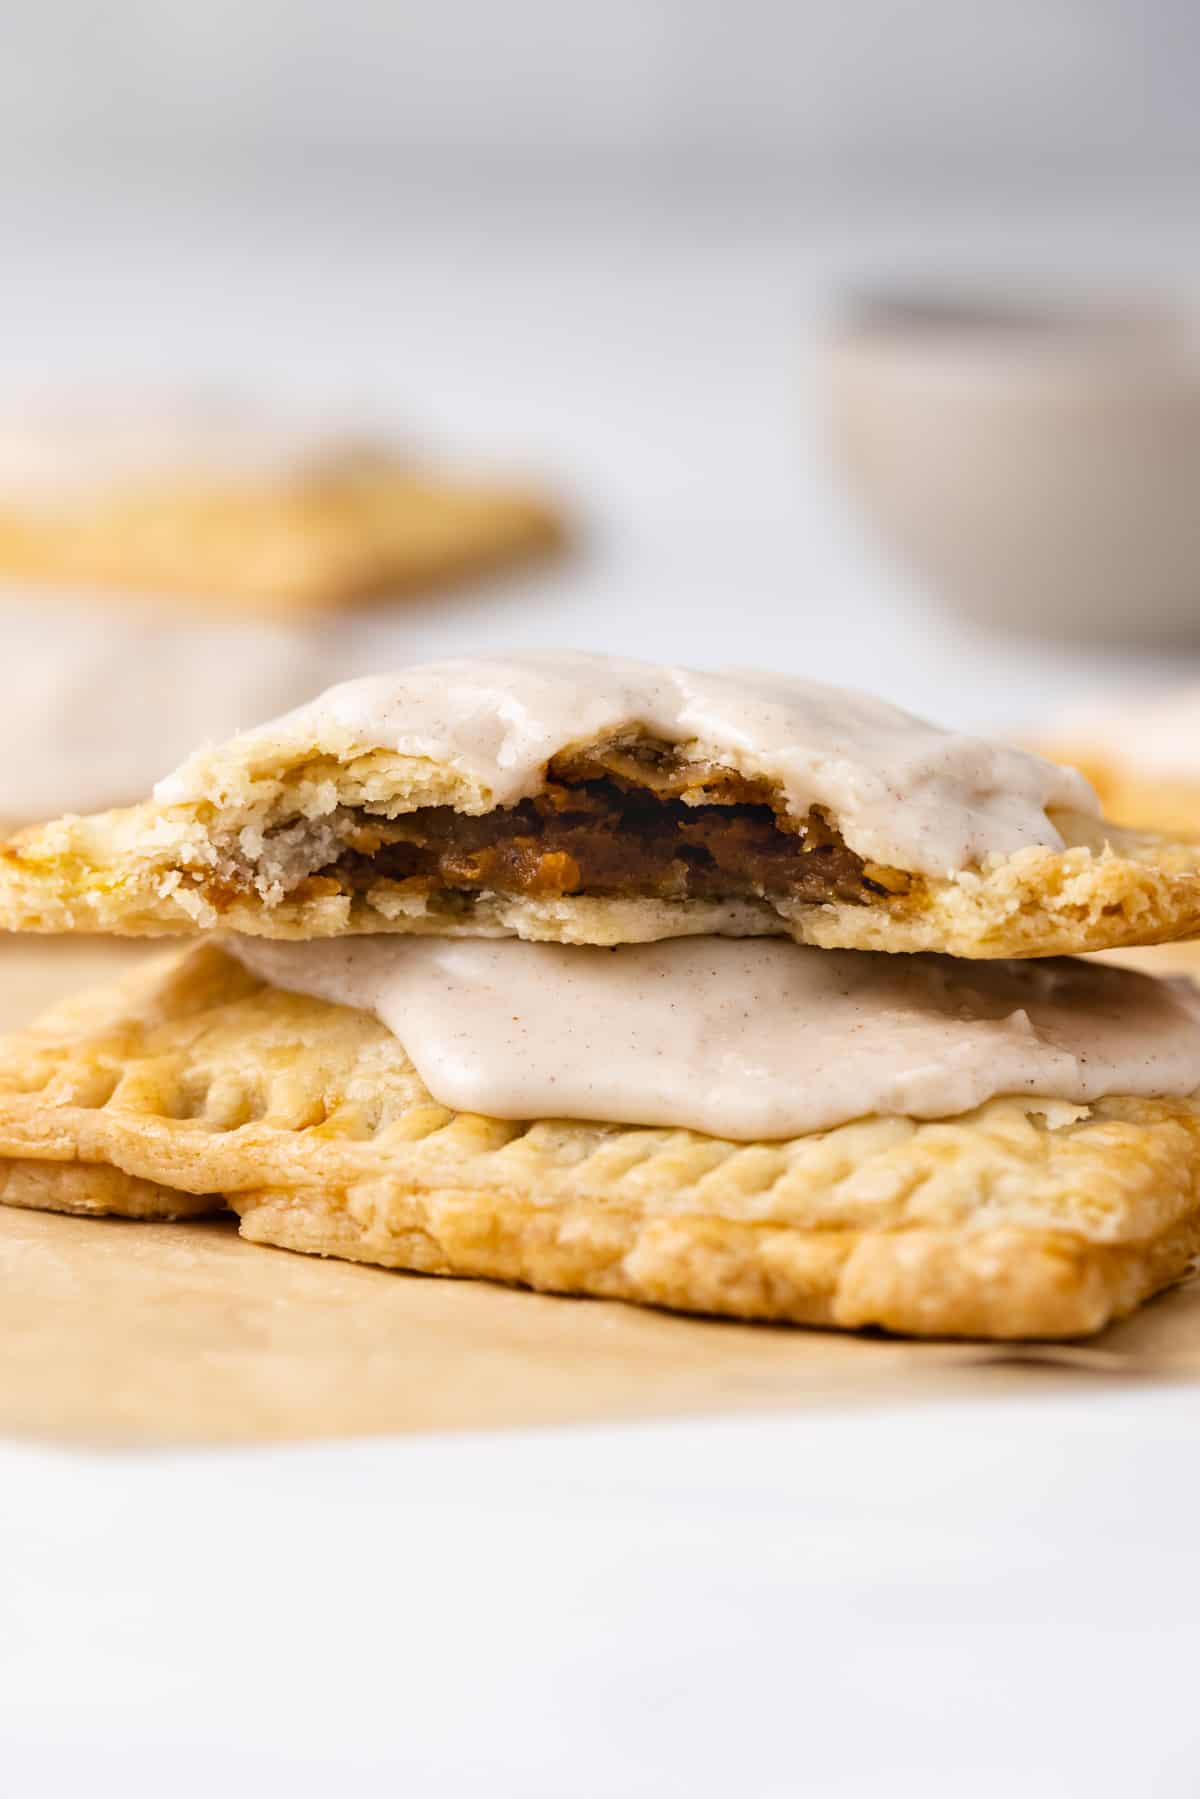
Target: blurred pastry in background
{"points": [[1141, 753], [98, 702], [236, 510]]}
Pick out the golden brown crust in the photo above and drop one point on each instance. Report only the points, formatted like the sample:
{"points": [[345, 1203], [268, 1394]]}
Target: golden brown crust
{"points": [[91, 1189], [192, 1078], [354, 529], [1004, 1284]]}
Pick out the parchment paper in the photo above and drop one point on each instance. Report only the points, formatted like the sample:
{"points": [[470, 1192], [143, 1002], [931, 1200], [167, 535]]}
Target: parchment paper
{"points": [[125, 1333]]}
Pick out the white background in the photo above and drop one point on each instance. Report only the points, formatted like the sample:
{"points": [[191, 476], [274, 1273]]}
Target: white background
{"points": [[878, 91]]}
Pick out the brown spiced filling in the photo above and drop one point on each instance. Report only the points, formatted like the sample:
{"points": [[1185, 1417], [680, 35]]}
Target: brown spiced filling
{"points": [[615, 823]]}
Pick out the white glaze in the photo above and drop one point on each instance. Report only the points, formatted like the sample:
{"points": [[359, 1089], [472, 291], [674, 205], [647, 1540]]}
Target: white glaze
{"points": [[747, 1039], [903, 792]]}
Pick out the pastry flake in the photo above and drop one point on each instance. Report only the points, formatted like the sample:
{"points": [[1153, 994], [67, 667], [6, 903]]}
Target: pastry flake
{"points": [[191, 1080]]}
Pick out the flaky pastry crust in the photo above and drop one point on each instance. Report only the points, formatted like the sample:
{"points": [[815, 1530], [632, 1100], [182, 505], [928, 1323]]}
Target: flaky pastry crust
{"points": [[353, 528], [191, 1084], [247, 850]]}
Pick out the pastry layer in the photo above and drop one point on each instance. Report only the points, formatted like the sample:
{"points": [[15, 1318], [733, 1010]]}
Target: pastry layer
{"points": [[533, 797], [192, 1079], [320, 846], [351, 528]]}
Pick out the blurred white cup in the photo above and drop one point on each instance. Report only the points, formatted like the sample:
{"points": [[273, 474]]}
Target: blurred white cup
{"points": [[1038, 466]]}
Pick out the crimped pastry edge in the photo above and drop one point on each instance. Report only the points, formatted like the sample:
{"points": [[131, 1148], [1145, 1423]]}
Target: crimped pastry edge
{"points": [[1003, 1284]]}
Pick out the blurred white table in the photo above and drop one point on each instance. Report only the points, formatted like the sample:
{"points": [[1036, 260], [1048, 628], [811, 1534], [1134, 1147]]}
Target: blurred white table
{"points": [[940, 1601], [934, 1602]]}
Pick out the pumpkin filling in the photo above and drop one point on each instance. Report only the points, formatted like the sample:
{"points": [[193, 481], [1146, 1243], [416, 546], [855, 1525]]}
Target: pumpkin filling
{"points": [[622, 822]]}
